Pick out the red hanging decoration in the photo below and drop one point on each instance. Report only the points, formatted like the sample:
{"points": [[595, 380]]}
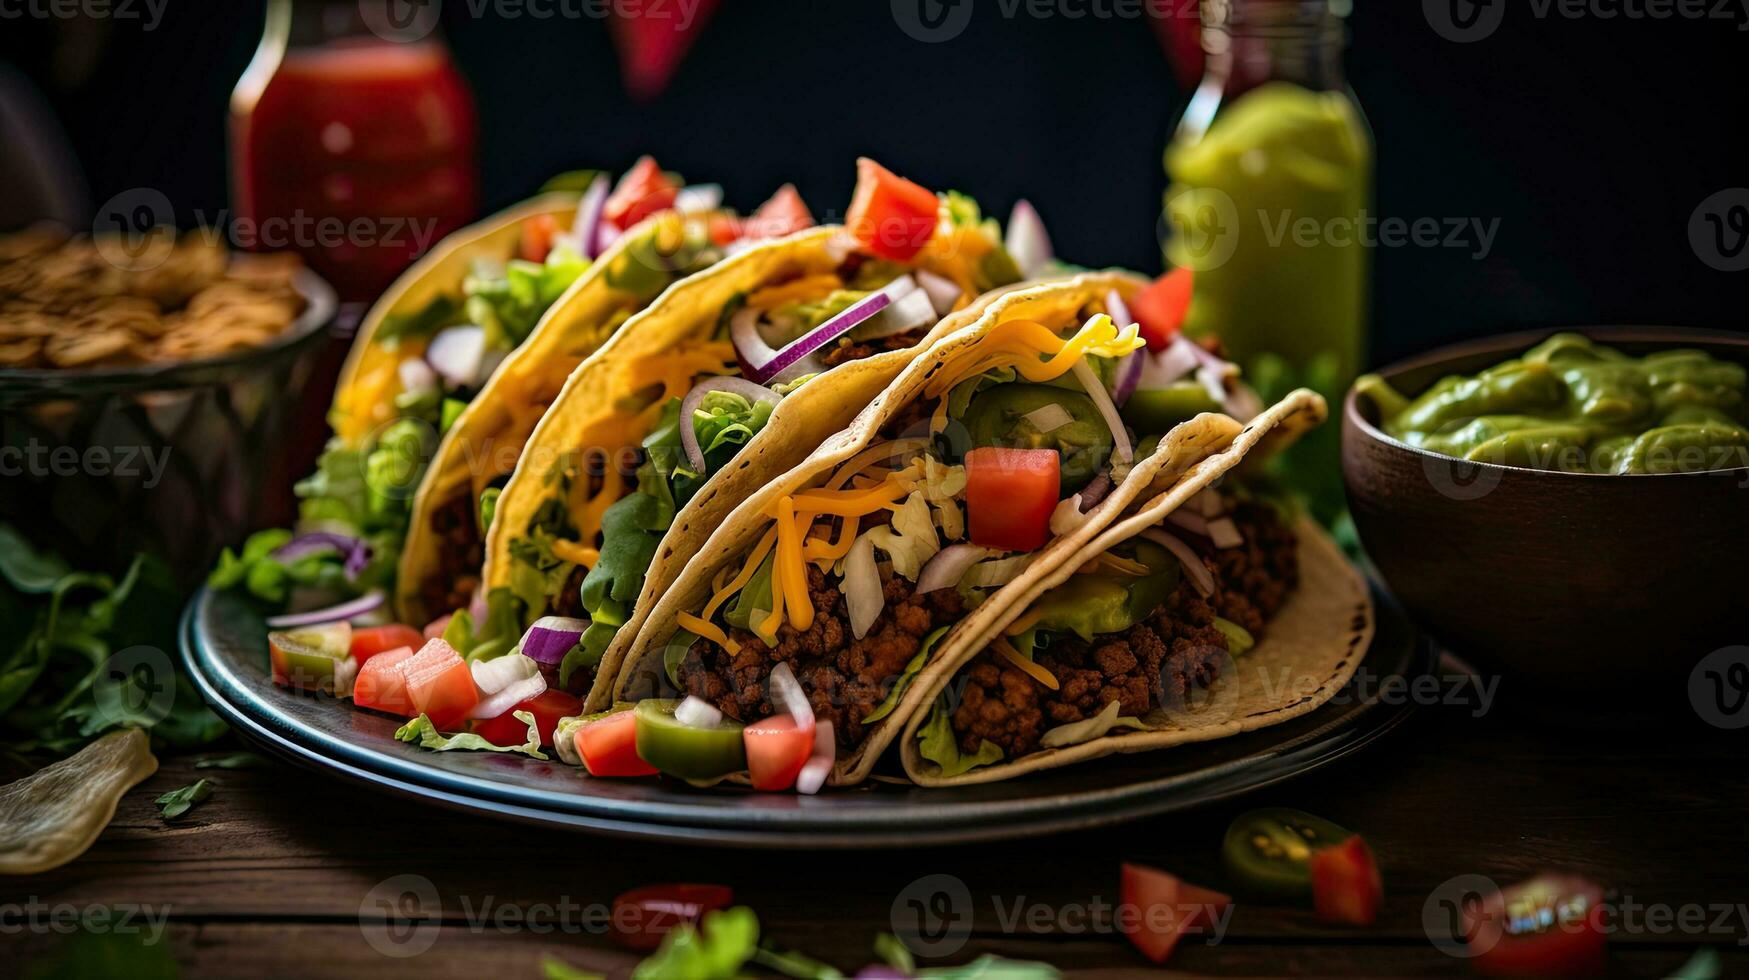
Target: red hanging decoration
{"points": [[652, 40]]}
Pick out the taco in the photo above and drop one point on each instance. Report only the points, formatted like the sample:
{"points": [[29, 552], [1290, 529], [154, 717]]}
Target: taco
{"points": [[728, 380], [1210, 610], [996, 455], [430, 354]]}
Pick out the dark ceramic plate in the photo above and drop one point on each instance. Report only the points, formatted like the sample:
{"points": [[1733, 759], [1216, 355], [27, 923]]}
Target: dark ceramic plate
{"points": [[225, 650]]}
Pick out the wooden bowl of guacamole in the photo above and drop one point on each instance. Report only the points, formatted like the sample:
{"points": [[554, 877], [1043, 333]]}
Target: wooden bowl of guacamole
{"points": [[1569, 508]]}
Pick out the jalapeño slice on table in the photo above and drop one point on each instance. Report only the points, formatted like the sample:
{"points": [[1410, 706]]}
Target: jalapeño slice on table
{"points": [[1268, 852]]}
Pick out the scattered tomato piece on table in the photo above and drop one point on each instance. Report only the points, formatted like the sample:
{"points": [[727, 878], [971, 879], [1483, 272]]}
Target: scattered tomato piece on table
{"points": [[1346, 887], [1165, 908], [643, 916], [1549, 926]]}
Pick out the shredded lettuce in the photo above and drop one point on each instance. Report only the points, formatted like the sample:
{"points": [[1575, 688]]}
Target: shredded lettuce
{"points": [[937, 743], [423, 732], [755, 596], [1088, 729], [719, 946], [1239, 639], [910, 539], [906, 676], [441, 312], [510, 303]]}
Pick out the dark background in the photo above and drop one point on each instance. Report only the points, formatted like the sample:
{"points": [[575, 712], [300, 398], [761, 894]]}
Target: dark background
{"points": [[1592, 140]]}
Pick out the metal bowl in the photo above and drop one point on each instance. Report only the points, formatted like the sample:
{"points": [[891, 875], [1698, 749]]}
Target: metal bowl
{"points": [[1572, 581], [168, 458]]}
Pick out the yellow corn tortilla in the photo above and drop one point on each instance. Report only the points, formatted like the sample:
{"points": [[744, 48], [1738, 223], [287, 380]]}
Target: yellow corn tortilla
{"points": [[1310, 650], [598, 405], [487, 439], [1177, 453]]}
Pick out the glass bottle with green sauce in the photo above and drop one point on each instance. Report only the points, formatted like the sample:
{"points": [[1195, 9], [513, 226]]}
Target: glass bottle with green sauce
{"points": [[1272, 171]]}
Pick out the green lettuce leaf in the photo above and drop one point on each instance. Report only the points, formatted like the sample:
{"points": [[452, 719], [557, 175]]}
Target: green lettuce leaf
{"points": [[717, 947], [938, 744], [423, 732]]}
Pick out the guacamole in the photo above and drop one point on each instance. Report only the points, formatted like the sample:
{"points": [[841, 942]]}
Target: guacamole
{"points": [[1578, 407]]}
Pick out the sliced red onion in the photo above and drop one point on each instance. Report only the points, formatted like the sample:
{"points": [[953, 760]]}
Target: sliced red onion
{"points": [[1027, 242], [1225, 534], [459, 354], [1129, 375], [696, 712], [699, 198], [788, 697], [763, 365], [504, 683], [1194, 523], [943, 292], [1096, 391], [1214, 381], [1118, 310], [587, 229], [1049, 418], [551, 637], [356, 550], [818, 768], [863, 596], [416, 376], [1200, 576], [694, 398], [1169, 366], [1095, 491], [605, 236], [369, 602], [949, 565]]}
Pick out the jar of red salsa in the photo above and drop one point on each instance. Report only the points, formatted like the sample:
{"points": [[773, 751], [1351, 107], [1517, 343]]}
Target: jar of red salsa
{"points": [[353, 143]]}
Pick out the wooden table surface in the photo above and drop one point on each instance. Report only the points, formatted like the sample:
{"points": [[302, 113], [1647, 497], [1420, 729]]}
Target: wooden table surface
{"points": [[269, 876]]}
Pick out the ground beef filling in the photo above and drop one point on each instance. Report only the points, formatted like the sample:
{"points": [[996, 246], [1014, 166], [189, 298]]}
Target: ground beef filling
{"points": [[845, 350], [1158, 661], [451, 584], [846, 678]]}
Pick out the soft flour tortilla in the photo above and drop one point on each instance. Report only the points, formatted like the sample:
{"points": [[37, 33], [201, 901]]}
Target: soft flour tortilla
{"points": [[1310, 650], [1186, 445], [487, 439], [594, 403], [364, 395]]}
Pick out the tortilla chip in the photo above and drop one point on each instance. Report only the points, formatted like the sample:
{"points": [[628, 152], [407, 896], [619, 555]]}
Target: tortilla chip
{"points": [[50, 817]]}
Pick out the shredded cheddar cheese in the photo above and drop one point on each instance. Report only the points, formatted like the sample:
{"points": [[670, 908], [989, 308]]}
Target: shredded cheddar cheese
{"points": [[575, 553], [1028, 667], [708, 630]]}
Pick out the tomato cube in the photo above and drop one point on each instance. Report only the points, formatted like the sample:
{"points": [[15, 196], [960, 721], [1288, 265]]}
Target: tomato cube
{"points": [[1346, 887], [538, 234], [642, 916], [373, 640], [1010, 494], [1161, 909], [609, 747], [785, 214], [1161, 306], [776, 752], [643, 191], [891, 216], [547, 707], [382, 683], [440, 685]]}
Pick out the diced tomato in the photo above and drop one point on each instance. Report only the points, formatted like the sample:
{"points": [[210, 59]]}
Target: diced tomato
{"points": [[724, 229], [1160, 909], [382, 683], [785, 214], [1346, 887], [547, 707], [609, 747], [435, 628], [372, 640], [440, 685], [1549, 926], [776, 752], [643, 191], [642, 916], [891, 216], [538, 233], [1160, 307], [1010, 494]]}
